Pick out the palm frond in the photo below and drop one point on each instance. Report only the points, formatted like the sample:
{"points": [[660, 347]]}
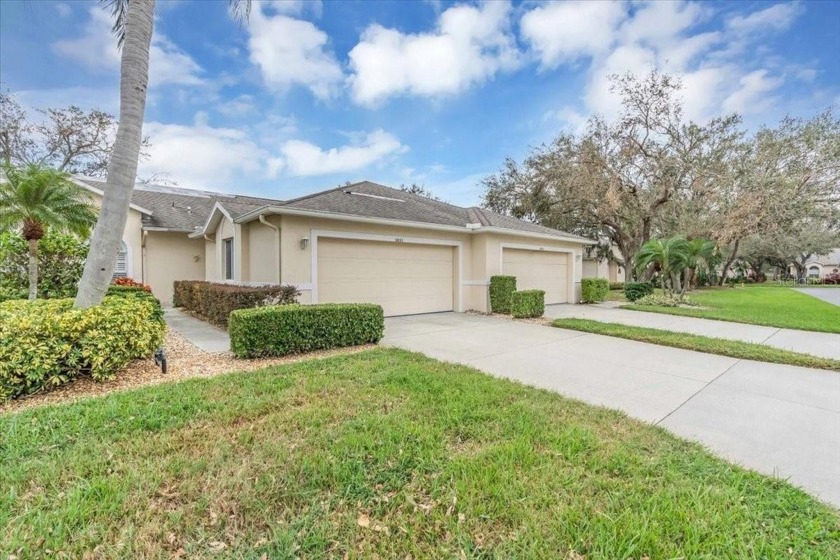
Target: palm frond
{"points": [[118, 9]]}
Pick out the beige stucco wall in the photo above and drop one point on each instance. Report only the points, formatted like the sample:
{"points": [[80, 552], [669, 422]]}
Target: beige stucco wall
{"points": [[211, 263], [297, 263], [133, 237], [263, 252], [495, 243], [613, 272], [170, 257]]}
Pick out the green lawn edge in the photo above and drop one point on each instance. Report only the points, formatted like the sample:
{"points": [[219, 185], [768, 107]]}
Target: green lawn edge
{"points": [[699, 343], [381, 453]]}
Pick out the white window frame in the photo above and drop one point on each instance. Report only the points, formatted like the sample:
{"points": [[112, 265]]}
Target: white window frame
{"points": [[128, 260]]}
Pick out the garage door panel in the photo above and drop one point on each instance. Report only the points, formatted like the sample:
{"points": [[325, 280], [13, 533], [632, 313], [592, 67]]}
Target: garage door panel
{"points": [[403, 278], [538, 270]]}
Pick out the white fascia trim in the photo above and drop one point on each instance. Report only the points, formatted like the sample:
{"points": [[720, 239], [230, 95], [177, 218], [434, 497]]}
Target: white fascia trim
{"points": [[253, 215], [171, 230], [212, 220], [316, 233], [100, 192], [505, 231]]}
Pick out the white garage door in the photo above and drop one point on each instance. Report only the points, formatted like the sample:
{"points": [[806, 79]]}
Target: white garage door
{"points": [[538, 270], [403, 278]]}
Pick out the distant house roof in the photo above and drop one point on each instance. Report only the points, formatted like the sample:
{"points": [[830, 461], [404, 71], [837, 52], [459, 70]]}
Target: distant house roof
{"points": [[180, 209], [831, 259]]}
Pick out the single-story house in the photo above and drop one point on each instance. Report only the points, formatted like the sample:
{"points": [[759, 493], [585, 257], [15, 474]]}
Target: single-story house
{"points": [[362, 242], [820, 266]]}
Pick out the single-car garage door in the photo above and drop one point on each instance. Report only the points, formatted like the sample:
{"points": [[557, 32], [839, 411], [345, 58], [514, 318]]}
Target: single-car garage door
{"points": [[538, 270], [403, 278]]}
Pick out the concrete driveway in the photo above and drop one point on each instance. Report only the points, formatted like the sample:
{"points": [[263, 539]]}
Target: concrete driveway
{"points": [[831, 295], [779, 420]]}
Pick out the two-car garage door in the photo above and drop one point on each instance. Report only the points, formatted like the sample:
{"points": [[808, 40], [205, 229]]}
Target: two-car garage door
{"points": [[538, 270], [404, 278]]}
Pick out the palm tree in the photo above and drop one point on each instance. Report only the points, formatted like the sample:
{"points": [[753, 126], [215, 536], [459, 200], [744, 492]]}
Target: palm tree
{"points": [[670, 256], [698, 250], [133, 25], [34, 198]]}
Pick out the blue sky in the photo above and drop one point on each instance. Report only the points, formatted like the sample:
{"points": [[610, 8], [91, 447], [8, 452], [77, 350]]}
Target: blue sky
{"points": [[307, 95]]}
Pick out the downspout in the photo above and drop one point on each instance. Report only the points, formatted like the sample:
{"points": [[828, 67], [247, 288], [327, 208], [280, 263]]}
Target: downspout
{"points": [[143, 234], [265, 222]]}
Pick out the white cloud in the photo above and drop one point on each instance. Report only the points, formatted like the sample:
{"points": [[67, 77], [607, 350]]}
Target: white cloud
{"points": [[96, 49], [240, 106], [300, 158], [564, 32], [200, 155], [290, 52], [778, 17], [751, 95], [469, 46], [64, 10]]}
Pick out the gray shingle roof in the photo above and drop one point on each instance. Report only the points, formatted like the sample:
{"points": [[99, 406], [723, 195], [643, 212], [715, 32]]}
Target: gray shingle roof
{"points": [[378, 201], [183, 209]]}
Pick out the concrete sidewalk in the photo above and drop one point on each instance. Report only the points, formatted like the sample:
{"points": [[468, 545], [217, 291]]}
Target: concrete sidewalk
{"points": [[825, 345], [776, 419], [202, 334]]}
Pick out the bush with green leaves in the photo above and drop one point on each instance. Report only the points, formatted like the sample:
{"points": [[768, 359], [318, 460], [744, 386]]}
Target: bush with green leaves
{"points": [[616, 286], [47, 343], [295, 329], [594, 290], [527, 303], [61, 258], [666, 300], [215, 301], [501, 288], [637, 290]]}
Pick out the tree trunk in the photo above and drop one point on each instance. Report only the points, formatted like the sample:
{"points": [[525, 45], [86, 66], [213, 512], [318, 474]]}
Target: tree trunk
{"points": [[729, 262], [122, 168], [33, 269]]}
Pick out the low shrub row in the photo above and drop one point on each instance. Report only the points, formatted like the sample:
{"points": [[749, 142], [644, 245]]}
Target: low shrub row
{"points": [[47, 343], [666, 300], [501, 288], [593, 290], [615, 286], [215, 301], [637, 290], [527, 303], [294, 329]]}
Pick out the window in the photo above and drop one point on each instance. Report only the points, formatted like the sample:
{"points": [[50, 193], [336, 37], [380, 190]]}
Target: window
{"points": [[227, 258], [814, 272], [121, 270]]}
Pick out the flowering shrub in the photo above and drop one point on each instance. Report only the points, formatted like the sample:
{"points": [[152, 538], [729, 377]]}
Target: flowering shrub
{"points": [[47, 343], [128, 281], [833, 278], [666, 300]]}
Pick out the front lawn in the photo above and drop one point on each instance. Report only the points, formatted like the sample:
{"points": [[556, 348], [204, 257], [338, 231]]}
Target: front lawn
{"points": [[382, 454], [699, 343], [773, 306]]}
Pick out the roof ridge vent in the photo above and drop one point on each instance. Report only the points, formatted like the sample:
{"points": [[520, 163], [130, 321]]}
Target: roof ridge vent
{"points": [[374, 196]]}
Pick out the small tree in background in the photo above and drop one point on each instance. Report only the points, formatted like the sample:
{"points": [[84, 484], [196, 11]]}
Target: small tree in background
{"points": [[669, 256], [35, 198]]}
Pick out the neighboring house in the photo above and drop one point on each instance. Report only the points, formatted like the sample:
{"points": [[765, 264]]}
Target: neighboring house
{"points": [[603, 268], [357, 243], [820, 266]]}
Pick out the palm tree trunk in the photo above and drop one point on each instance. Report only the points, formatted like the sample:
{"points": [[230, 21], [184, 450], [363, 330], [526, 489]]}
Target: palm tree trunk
{"points": [[33, 269], [122, 168]]}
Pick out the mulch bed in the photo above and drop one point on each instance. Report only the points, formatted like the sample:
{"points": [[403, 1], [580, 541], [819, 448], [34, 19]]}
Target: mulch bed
{"points": [[184, 361]]}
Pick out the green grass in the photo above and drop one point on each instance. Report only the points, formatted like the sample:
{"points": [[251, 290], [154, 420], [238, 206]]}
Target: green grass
{"points": [[710, 345], [437, 460], [773, 306]]}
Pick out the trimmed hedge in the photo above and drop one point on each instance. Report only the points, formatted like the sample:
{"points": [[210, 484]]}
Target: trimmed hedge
{"points": [[47, 343], [215, 301], [501, 287], [527, 303], [637, 290], [616, 286], [294, 329], [593, 290]]}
